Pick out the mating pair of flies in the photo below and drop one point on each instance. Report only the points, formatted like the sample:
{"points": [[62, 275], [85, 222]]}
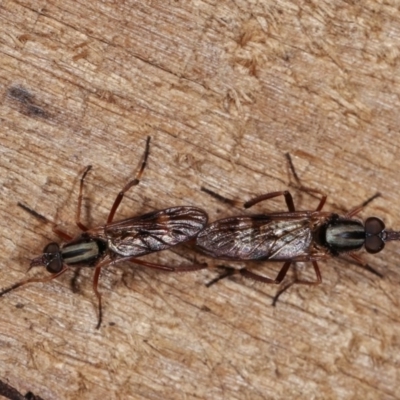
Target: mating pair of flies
{"points": [[288, 236]]}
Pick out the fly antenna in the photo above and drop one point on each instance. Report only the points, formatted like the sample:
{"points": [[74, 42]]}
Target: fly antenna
{"points": [[391, 235]]}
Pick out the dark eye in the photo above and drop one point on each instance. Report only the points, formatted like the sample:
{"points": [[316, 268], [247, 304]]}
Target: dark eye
{"points": [[55, 265], [374, 226], [373, 241], [53, 258], [52, 248], [374, 244]]}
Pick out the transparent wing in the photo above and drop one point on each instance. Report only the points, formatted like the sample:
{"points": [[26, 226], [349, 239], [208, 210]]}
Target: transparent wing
{"points": [[258, 237], [154, 231]]}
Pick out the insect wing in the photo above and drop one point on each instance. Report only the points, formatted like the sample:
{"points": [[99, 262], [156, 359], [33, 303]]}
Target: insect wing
{"points": [[256, 238], [155, 231]]}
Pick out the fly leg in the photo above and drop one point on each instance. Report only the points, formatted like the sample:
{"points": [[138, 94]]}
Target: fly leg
{"points": [[363, 264], [98, 267], [120, 195], [107, 261], [229, 271], [78, 222], [165, 268], [281, 275], [299, 281], [285, 193], [252, 202], [131, 183], [357, 209], [33, 280], [299, 186], [267, 196], [315, 192], [63, 235], [79, 207]]}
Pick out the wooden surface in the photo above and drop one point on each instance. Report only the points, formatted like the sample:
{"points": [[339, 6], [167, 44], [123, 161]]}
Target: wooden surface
{"points": [[224, 88]]}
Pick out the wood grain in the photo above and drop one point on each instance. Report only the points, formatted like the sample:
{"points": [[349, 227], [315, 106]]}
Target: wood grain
{"points": [[224, 88]]}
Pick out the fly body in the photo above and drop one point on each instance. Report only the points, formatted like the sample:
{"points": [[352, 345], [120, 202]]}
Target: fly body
{"points": [[125, 240], [118, 241], [291, 236]]}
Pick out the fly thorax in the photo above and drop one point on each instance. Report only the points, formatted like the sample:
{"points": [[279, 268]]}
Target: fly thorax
{"points": [[82, 252], [341, 235]]}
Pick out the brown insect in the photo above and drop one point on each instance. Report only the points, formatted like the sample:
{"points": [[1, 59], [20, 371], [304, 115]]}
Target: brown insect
{"points": [[117, 241], [291, 236]]}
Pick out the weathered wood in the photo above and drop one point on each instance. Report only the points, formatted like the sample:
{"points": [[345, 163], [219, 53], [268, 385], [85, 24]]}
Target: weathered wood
{"points": [[224, 88]]}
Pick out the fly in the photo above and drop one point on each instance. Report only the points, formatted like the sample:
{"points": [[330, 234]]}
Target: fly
{"points": [[117, 241], [291, 236]]}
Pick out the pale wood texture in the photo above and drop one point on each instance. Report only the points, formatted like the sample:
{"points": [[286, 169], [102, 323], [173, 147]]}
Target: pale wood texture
{"points": [[224, 88]]}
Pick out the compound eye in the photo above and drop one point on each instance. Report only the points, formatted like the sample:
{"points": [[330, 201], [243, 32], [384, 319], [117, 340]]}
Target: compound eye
{"points": [[55, 265], [53, 258], [374, 226], [52, 248], [374, 244]]}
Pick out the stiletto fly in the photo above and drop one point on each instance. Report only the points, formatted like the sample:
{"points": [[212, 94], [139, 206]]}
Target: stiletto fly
{"points": [[117, 241], [291, 236]]}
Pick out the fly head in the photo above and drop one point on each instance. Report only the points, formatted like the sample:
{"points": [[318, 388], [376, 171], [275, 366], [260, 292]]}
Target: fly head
{"points": [[51, 259]]}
